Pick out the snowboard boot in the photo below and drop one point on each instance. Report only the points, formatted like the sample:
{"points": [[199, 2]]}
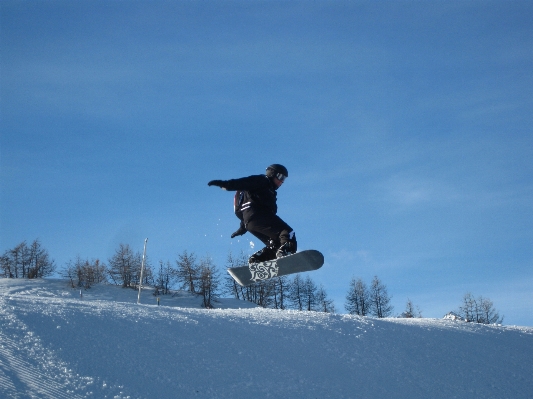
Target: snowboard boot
{"points": [[267, 253], [286, 249]]}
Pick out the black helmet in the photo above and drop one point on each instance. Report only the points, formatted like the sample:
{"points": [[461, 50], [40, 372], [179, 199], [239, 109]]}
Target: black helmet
{"points": [[275, 169]]}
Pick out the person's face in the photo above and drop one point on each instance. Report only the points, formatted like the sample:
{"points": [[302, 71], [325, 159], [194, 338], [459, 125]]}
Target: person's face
{"points": [[279, 179]]}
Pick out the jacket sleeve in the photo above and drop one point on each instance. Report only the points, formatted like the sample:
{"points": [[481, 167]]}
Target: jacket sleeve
{"points": [[250, 183]]}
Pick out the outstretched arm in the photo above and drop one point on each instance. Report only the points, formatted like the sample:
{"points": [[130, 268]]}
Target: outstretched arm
{"points": [[218, 183], [255, 182]]}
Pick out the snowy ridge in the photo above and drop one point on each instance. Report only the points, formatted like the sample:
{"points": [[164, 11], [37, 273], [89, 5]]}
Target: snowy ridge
{"points": [[55, 344]]}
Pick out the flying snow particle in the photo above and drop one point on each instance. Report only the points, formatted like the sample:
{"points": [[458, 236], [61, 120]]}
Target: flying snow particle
{"points": [[252, 245]]}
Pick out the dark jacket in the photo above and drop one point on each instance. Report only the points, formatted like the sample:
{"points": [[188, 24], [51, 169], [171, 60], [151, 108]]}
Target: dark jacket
{"points": [[260, 192]]}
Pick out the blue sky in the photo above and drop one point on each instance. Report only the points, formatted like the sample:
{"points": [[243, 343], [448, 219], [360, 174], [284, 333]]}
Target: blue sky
{"points": [[406, 128]]}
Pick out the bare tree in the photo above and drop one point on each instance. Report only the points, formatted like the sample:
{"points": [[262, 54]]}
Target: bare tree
{"points": [[281, 292], [230, 285], [379, 299], [323, 304], [188, 271], [309, 292], [411, 311], [480, 310], [468, 309], [208, 282], [40, 263], [7, 264], [125, 266], [83, 273], [296, 294], [358, 298], [489, 315], [19, 260], [96, 272], [266, 290], [25, 261], [164, 279]]}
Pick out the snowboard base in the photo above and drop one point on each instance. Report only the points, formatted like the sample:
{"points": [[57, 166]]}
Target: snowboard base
{"points": [[303, 261]]}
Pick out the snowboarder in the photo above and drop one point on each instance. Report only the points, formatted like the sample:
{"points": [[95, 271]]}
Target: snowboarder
{"points": [[255, 205]]}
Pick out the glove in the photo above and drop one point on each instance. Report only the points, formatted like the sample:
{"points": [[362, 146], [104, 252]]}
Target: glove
{"points": [[218, 183], [241, 231]]}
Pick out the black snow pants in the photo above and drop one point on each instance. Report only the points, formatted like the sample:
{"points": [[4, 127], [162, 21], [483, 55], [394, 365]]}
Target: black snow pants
{"points": [[269, 227]]}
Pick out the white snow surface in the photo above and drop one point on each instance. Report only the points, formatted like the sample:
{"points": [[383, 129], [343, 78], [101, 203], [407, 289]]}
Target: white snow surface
{"points": [[54, 344]]}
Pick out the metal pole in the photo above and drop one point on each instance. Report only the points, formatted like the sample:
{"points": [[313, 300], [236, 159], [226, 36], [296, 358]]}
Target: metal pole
{"points": [[142, 270]]}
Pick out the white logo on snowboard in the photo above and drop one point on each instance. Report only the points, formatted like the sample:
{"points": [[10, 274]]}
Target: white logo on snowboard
{"points": [[263, 270]]}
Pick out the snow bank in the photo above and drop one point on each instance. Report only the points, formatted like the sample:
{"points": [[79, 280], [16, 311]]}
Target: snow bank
{"points": [[55, 344]]}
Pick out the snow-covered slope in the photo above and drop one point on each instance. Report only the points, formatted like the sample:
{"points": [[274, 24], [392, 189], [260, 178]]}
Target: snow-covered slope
{"points": [[54, 344]]}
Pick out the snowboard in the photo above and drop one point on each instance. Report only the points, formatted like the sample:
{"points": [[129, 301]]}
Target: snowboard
{"points": [[303, 261]]}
